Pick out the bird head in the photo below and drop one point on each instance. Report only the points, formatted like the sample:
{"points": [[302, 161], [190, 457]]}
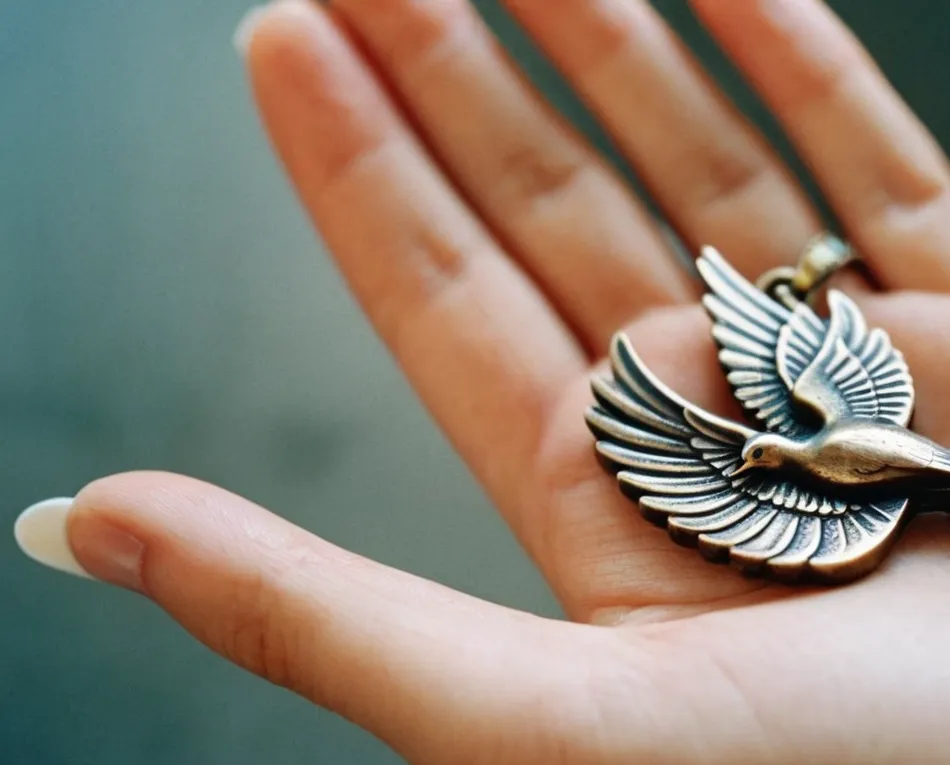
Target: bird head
{"points": [[763, 451]]}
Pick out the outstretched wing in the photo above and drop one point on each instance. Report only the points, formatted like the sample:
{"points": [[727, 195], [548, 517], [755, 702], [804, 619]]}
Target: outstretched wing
{"points": [[747, 327], [677, 461], [857, 373], [781, 362]]}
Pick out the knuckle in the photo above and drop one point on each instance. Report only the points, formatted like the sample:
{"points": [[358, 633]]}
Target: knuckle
{"points": [[612, 39], [434, 270], [532, 177], [730, 177], [912, 199], [421, 297], [418, 35], [252, 640], [820, 80], [263, 633], [349, 160], [444, 261]]}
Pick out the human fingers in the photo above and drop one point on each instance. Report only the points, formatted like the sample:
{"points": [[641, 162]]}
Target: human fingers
{"points": [[482, 346], [714, 175], [431, 671], [563, 213], [881, 170]]}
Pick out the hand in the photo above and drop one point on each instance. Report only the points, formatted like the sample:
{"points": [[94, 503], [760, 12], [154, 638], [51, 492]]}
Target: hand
{"points": [[496, 254]]}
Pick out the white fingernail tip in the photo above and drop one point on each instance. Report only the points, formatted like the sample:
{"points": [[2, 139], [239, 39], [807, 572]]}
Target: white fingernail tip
{"points": [[40, 531], [246, 27]]}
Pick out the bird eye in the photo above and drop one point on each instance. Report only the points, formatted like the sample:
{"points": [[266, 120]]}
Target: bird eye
{"points": [[757, 454]]}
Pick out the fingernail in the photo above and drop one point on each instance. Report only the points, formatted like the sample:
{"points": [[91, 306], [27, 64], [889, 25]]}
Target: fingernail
{"points": [[246, 27], [109, 553], [248, 24], [40, 531]]}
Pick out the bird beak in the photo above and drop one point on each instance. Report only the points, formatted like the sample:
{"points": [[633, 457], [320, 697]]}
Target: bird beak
{"points": [[741, 469]]}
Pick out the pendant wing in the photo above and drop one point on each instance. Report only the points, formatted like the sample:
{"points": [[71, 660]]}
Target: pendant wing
{"points": [[677, 461], [747, 327], [781, 363], [856, 374]]}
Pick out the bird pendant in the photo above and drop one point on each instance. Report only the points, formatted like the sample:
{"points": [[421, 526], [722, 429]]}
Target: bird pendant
{"points": [[822, 485]]}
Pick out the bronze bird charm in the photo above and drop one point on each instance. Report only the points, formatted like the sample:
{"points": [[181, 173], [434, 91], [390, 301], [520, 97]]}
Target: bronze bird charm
{"points": [[823, 488]]}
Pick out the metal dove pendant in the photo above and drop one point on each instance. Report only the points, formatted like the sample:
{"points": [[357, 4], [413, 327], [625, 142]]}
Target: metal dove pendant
{"points": [[822, 483]]}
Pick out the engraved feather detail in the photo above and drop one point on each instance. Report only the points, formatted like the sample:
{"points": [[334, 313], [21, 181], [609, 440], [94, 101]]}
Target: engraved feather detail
{"points": [[856, 373], [677, 460], [830, 400]]}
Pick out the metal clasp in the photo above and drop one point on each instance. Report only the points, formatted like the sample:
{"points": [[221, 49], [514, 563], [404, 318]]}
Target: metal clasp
{"points": [[822, 257]]}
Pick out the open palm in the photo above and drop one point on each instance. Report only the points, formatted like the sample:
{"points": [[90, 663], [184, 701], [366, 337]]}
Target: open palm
{"points": [[496, 255]]}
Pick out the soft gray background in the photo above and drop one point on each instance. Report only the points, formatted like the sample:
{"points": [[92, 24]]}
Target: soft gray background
{"points": [[163, 304]]}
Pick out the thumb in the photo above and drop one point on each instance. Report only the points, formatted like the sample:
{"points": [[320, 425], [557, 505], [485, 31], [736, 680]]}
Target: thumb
{"points": [[410, 660]]}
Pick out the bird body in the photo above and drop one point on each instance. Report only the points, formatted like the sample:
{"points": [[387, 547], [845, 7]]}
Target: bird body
{"points": [[821, 480], [863, 455]]}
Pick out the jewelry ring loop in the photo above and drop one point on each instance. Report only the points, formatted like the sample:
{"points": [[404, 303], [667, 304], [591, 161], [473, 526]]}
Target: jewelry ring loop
{"points": [[821, 258]]}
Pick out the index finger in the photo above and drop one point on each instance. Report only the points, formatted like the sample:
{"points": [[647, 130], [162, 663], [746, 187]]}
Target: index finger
{"points": [[481, 345]]}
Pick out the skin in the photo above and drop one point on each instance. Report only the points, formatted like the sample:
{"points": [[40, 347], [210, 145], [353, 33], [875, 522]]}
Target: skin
{"points": [[495, 255]]}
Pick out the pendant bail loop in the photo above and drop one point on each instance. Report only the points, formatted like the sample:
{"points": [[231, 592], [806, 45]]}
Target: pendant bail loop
{"points": [[822, 257]]}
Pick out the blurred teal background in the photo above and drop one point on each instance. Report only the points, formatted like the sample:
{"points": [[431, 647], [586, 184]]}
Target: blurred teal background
{"points": [[164, 304]]}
